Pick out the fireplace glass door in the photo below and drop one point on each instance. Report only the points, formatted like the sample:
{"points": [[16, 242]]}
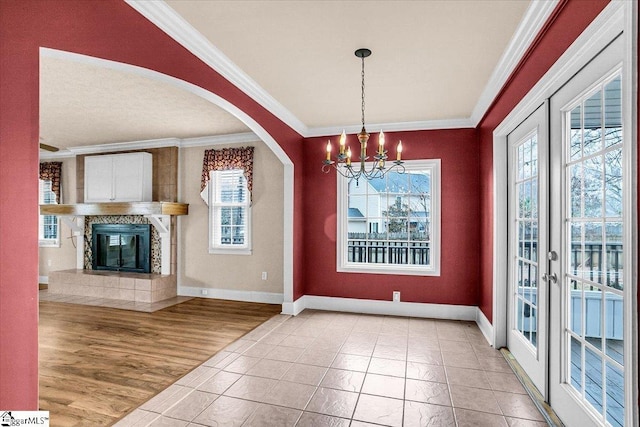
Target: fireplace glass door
{"points": [[121, 247]]}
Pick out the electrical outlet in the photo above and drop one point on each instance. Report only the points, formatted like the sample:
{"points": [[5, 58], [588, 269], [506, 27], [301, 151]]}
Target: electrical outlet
{"points": [[264, 275], [204, 292], [396, 296], [49, 262]]}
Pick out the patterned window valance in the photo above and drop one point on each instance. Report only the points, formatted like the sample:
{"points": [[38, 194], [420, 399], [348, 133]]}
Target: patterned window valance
{"points": [[51, 171], [225, 159]]}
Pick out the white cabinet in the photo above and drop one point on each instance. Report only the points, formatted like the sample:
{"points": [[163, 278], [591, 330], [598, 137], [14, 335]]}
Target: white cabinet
{"points": [[118, 178]]}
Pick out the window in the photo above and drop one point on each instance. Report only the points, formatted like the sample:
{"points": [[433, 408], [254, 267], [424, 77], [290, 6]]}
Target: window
{"points": [[391, 225], [230, 213], [49, 227]]}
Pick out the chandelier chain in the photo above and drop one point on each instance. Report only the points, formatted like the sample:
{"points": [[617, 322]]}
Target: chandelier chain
{"points": [[362, 88]]}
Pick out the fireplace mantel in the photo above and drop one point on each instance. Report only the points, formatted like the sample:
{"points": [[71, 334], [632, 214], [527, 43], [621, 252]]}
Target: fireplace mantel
{"points": [[159, 215], [117, 208]]}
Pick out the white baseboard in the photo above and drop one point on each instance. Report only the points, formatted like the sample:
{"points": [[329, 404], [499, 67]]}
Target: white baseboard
{"points": [[389, 308], [485, 326], [230, 294], [294, 308], [352, 305], [43, 279]]}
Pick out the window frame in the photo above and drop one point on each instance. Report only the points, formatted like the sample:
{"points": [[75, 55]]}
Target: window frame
{"points": [[342, 263], [42, 241], [215, 228]]}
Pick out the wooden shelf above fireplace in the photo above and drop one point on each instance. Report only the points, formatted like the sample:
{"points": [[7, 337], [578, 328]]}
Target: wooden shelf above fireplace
{"points": [[117, 208]]}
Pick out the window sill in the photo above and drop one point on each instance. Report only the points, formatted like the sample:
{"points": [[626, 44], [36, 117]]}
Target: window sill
{"points": [[399, 270], [49, 243], [230, 251]]}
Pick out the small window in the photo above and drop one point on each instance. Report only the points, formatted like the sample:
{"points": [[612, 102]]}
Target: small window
{"points": [[230, 213], [391, 225], [49, 225]]}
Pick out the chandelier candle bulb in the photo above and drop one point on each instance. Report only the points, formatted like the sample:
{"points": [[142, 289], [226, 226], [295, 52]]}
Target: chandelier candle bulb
{"points": [[328, 150], [343, 140], [381, 143], [399, 151], [348, 156]]}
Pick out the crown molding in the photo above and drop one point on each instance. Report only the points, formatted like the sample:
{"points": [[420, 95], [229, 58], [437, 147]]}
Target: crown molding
{"points": [[61, 154], [214, 140], [532, 22], [393, 127], [169, 21], [236, 138], [124, 146]]}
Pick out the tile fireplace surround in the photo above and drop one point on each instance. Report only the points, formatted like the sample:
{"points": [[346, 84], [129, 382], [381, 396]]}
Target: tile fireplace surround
{"points": [[136, 287]]}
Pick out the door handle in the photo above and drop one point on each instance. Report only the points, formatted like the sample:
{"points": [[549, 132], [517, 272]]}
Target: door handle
{"points": [[550, 278]]}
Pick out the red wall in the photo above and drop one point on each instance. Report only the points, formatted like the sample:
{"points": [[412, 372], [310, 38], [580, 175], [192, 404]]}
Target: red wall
{"points": [[567, 22], [112, 30], [107, 29], [458, 282], [18, 223]]}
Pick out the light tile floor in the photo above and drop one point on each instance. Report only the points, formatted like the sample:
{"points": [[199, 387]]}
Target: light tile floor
{"points": [[340, 369]]}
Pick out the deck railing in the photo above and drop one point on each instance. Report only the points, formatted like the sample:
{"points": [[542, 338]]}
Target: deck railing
{"points": [[395, 249], [589, 263]]}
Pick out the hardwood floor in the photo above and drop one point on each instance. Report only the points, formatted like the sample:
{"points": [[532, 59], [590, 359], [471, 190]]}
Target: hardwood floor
{"points": [[97, 364]]}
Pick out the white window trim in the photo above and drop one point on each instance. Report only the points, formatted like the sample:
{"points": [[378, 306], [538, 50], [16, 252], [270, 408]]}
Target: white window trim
{"points": [[343, 266], [215, 249], [42, 242]]}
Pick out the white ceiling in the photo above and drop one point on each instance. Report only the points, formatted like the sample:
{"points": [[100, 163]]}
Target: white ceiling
{"points": [[431, 62]]}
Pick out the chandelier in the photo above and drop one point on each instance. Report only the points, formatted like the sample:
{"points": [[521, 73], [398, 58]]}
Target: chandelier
{"points": [[376, 169]]}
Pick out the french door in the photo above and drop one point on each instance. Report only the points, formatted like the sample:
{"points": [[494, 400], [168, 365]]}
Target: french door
{"points": [[569, 242], [528, 245], [587, 229]]}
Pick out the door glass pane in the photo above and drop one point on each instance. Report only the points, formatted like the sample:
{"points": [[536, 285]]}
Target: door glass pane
{"points": [[613, 239], [129, 247], [527, 159], [526, 213], [593, 187], [592, 318], [534, 196], [594, 173], [613, 113], [576, 256], [575, 189], [593, 378], [575, 146], [520, 315], [614, 327], [613, 183], [521, 239], [576, 298], [520, 162], [534, 320], [592, 246], [575, 362], [593, 124], [615, 395]]}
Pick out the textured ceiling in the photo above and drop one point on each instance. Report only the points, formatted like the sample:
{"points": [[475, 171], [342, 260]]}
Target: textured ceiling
{"points": [[83, 104], [431, 61]]}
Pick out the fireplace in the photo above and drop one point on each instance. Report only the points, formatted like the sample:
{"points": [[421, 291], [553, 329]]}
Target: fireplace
{"points": [[121, 247]]}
